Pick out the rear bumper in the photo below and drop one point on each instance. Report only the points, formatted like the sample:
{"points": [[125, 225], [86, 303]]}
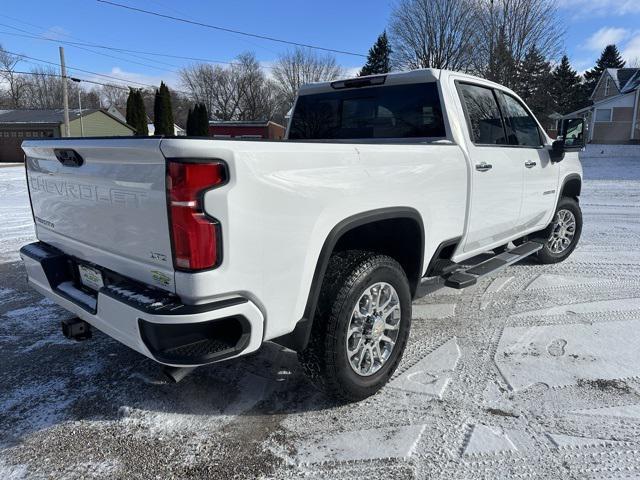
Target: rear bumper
{"points": [[148, 320]]}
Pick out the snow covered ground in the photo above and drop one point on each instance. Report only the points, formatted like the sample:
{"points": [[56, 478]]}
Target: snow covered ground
{"points": [[531, 374], [16, 222]]}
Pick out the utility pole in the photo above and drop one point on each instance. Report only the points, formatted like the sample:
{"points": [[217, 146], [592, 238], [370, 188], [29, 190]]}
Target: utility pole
{"points": [[65, 95], [79, 105]]}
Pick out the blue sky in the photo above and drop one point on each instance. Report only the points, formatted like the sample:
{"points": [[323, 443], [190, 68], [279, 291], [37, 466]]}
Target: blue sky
{"points": [[351, 25]]}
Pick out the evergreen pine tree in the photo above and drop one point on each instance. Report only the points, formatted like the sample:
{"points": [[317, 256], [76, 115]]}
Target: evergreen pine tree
{"points": [[162, 112], [130, 108], [567, 89], [378, 57], [140, 115], [202, 121], [609, 58], [190, 122], [136, 115], [533, 83]]}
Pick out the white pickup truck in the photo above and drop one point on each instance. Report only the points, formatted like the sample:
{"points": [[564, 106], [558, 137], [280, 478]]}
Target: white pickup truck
{"points": [[193, 250]]}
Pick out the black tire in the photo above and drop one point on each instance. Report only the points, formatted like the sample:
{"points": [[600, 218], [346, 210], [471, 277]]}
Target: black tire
{"points": [[325, 361], [546, 255]]}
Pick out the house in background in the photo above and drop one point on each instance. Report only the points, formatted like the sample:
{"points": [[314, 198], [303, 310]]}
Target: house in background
{"points": [[261, 129], [121, 114], [177, 131], [614, 117], [19, 125]]}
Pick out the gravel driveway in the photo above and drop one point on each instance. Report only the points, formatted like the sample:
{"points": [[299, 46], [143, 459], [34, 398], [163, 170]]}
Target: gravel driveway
{"points": [[534, 373]]}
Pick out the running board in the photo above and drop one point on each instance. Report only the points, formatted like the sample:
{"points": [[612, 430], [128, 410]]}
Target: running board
{"points": [[469, 276]]}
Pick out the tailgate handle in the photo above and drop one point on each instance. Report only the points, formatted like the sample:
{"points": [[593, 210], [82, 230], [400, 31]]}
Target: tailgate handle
{"points": [[68, 157]]}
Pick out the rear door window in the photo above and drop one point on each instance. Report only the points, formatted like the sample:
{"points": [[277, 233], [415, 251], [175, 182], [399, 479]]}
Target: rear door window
{"points": [[522, 129], [483, 114], [398, 111]]}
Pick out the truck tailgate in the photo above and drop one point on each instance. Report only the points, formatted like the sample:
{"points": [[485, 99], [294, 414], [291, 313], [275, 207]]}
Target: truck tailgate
{"points": [[104, 201]]}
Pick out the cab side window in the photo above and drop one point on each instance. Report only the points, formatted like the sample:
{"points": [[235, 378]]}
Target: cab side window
{"points": [[483, 114], [521, 127]]}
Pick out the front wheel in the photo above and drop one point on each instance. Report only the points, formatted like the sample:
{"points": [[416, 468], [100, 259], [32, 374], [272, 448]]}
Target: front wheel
{"points": [[562, 235], [362, 325]]}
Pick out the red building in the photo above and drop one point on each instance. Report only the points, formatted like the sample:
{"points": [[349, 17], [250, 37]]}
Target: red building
{"points": [[246, 129]]}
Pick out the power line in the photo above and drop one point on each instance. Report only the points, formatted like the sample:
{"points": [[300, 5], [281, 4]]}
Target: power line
{"points": [[106, 47], [85, 49], [75, 79], [81, 70], [36, 36], [229, 30], [121, 50]]}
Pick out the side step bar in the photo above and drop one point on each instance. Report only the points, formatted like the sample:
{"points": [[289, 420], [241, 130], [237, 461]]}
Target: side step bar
{"points": [[466, 277]]}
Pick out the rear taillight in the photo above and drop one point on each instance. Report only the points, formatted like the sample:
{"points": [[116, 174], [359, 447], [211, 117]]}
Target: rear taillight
{"points": [[196, 236]]}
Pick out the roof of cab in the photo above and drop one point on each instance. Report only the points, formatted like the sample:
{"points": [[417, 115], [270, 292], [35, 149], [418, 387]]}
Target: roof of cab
{"points": [[395, 78]]}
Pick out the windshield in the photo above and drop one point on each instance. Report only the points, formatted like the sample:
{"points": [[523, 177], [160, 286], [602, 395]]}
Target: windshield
{"points": [[399, 111]]}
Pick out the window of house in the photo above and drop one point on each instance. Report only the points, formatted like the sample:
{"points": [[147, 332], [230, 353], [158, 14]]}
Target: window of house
{"points": [[603, 114], [607, 85], [483, 115], [521, 127]]}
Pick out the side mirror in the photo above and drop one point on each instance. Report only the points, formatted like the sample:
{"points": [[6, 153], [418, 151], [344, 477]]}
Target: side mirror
{"points": [[557, 151], [572, 131], [570, 138]]}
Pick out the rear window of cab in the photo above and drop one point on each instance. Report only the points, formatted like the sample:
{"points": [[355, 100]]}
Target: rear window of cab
{"points": [[398, 111]]}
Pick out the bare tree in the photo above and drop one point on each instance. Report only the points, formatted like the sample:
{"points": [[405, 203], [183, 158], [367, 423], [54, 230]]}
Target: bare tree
{"points": [[240, 91], [15, 82], [295, 68], [487, 37], [114, 95], [508, 29], [45, 89], [215, 86], [257, 93], [433, 33]]}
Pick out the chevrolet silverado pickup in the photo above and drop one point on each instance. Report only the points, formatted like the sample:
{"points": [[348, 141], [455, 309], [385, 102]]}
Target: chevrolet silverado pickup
{"points": [[195, 250]]}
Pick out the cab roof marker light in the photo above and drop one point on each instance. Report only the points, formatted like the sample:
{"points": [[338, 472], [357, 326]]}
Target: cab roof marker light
{"points": [[359, 82]]}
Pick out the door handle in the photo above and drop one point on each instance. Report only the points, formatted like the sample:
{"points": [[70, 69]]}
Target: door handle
{"points": [[483, 166], [530, 164]]}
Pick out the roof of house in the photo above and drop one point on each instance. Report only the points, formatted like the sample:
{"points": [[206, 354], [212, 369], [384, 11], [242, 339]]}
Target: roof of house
{"points": [[626, 79], [243, 123], [47, 117], [118, 112], [51, 116], [633, 82], [622, 76]]}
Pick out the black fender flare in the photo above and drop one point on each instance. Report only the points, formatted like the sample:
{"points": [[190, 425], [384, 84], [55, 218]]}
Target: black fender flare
{"points": [[299, 337], [567, 179]]}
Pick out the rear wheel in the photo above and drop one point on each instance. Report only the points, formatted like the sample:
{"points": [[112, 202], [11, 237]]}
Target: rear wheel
{"points": [[361, 326], [562, 235]]}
